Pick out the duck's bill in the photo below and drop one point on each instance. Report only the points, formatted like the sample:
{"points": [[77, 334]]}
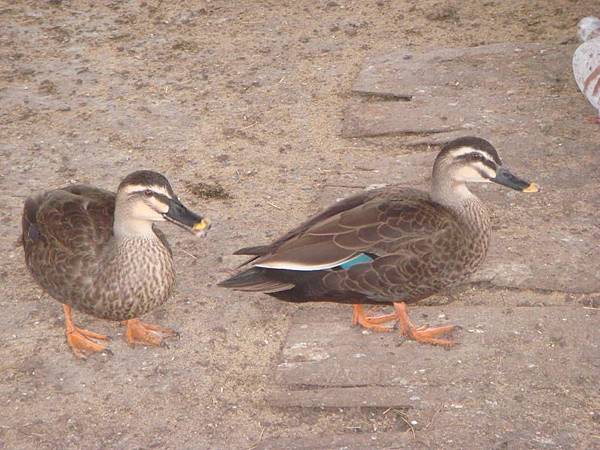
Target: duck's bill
{"points": [[506, 178], [186, 219]]}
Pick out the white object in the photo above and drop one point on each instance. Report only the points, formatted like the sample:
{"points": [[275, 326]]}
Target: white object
{"points": [[586, 61]]}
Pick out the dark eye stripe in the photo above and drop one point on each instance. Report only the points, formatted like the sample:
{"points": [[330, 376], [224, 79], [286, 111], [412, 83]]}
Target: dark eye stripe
{"points": [[472, 157], [162, 198], [490, 164]]}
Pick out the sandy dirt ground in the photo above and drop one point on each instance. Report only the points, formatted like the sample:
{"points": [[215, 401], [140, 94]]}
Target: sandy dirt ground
{"points": [[240, 105]]}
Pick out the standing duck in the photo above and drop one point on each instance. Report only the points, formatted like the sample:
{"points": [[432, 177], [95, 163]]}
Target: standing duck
{"points": [[388, 246], [586, 62], [100, 253]]}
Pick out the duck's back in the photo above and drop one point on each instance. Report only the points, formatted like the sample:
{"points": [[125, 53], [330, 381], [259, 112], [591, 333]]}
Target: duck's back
{"points": [[64, 232]]}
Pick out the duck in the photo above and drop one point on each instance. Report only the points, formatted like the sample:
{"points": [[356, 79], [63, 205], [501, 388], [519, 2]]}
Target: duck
{"points": [[388, 246], [100, 253], [586, 62]]}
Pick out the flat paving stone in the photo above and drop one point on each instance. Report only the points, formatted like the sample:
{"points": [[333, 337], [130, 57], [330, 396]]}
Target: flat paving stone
{"points": [[527, 376], [490, 89], [344, 441]]}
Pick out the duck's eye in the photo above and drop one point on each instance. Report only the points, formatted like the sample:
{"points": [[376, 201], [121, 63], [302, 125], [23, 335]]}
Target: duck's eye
{"points": [[148, 193]]}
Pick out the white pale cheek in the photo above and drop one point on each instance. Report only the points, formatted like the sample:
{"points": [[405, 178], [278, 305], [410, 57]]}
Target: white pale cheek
{"points": [[159, 206], [491, 173], [468, 174], [473, 174], [144, 212]]}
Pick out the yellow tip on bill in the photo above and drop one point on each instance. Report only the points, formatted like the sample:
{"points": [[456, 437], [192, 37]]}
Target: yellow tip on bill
{"points": [[532, 188], [202, 225]]}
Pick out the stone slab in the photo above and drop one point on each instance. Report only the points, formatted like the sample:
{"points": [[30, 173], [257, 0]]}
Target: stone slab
{"points": [[526, 376], [406, 73], [493, 88], [346, 441], [323, 350], [343, 397]]}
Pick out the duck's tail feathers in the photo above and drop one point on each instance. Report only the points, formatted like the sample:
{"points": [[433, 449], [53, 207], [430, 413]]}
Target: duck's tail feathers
{"points": [[255, 279], [256, 252], [259, 250]]}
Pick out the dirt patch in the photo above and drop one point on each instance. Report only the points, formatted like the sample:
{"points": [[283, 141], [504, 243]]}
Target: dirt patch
{"points": [[207, 191]]}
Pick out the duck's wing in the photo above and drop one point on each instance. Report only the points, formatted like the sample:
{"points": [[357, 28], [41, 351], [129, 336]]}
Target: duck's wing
{"points": [[73, 219], [375, 223]]}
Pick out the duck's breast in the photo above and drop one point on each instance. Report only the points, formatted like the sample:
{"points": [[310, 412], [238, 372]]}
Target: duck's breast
{"points": [[138, 279]]}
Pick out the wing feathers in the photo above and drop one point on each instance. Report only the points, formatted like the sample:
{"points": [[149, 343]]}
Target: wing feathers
{"points": [[317, 256], [72, 217], [383, 222]]}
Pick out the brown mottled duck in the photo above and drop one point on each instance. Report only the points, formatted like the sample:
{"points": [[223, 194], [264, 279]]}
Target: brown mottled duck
{"points": [[387, 246], [100, 253]]}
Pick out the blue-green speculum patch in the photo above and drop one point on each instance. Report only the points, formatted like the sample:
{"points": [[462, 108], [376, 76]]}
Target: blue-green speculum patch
{"points": [[358, 259]]}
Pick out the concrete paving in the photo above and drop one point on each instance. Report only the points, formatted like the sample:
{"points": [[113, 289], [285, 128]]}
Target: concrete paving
{"points": [[527, 376]]}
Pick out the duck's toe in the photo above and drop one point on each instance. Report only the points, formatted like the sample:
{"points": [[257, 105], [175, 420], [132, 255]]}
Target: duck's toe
{"points": [[371, 323], [83, 343], [429, 335], [422, 334], [139, 332]]}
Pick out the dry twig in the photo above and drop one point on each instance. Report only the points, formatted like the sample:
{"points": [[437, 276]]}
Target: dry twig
{"points": [[407, 422], [189, 254], [273, 205]]}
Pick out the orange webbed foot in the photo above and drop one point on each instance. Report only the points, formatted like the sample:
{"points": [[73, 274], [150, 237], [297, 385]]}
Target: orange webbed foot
{"points": [[82, 342], [422, 334], [139, 332], [371, 323], [428, 335]]}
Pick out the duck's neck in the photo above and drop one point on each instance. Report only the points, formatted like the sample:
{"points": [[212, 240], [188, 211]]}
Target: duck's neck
{"points": [[126, 227], [457, 197], [132, 229]]}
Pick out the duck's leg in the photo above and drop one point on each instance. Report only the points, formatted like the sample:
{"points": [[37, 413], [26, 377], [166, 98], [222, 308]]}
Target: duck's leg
{"points": [[371, 323], [421, 334], [81, 341], [139, 332]]}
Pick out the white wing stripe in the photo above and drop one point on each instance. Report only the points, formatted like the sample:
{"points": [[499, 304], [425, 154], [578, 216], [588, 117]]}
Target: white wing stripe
{"points": [[290, 265]]}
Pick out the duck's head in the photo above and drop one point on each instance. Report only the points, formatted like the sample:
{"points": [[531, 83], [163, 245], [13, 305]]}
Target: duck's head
{"points": [[588, 28], [145, 197], [473, 160]]}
